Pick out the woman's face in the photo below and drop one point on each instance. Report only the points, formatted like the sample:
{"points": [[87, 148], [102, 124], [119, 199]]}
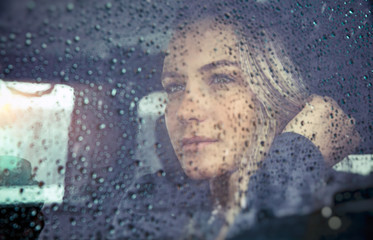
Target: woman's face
{"points": [[211, 113]]}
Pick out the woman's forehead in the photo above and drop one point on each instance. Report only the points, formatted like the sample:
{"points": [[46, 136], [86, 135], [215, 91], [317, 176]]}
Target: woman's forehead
{"points": [[202, 32], [213, 43]]}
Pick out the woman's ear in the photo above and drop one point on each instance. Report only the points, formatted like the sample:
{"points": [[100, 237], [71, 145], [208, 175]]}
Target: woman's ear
{"points": [[324, 123]]}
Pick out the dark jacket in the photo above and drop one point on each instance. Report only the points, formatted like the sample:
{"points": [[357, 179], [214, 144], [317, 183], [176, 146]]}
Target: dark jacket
{"points": [[293, 180]]}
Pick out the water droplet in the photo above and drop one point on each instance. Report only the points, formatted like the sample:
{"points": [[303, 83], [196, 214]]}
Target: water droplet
{"points": [[31, 5], [61, 170], [72, 221], [326, 212], [70, 7], [6, 172], [54, 207], [108, 5], [161, 173], [12, 36], [86, 100], [33, 213], [335, 223]]}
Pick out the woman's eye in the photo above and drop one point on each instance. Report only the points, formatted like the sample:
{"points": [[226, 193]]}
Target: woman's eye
{"points": [[173, 88], [221, 79]]}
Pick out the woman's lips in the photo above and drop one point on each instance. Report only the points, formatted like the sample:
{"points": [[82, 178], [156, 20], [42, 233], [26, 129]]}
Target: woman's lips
{"points": [[196, 143]]}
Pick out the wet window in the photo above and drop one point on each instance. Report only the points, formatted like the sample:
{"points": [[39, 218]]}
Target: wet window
{"points": [[185, 119]]}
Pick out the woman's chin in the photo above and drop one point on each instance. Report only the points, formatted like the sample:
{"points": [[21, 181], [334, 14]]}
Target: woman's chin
{"points": [[204, 173], [205, 164]]}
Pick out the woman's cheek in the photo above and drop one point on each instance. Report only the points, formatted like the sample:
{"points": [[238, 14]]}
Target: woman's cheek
{"points": [[170, 117], [172, 123]]}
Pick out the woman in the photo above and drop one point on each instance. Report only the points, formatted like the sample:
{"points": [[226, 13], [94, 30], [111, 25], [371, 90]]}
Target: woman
{"points": [[230, 94], [233, 98]]}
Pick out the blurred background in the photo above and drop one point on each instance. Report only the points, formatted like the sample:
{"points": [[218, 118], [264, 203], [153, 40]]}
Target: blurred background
{"points": [[81, 99]]}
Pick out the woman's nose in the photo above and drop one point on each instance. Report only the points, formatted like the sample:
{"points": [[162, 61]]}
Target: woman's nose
{"points": [[192, 108]]}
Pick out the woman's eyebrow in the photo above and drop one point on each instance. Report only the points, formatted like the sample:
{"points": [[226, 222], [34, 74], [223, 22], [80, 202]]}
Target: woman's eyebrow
{"points": [[217, 64], [170, 75]]}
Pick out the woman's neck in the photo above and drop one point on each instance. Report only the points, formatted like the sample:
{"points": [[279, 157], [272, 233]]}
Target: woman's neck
{"points": [[225, 189]]}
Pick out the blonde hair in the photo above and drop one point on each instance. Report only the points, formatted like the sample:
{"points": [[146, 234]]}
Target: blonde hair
{"points": [[280, 94]]}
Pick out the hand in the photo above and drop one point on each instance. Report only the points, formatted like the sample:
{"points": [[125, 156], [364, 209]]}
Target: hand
{"points": [[324, 123]]}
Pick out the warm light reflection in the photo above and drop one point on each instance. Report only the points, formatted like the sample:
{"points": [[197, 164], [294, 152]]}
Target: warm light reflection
{"points": [[34, 122]]}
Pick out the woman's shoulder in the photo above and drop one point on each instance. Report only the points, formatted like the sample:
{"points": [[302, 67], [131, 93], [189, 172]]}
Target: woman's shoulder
{"points": [[291, 173], [292, 152], [294, 180]]}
